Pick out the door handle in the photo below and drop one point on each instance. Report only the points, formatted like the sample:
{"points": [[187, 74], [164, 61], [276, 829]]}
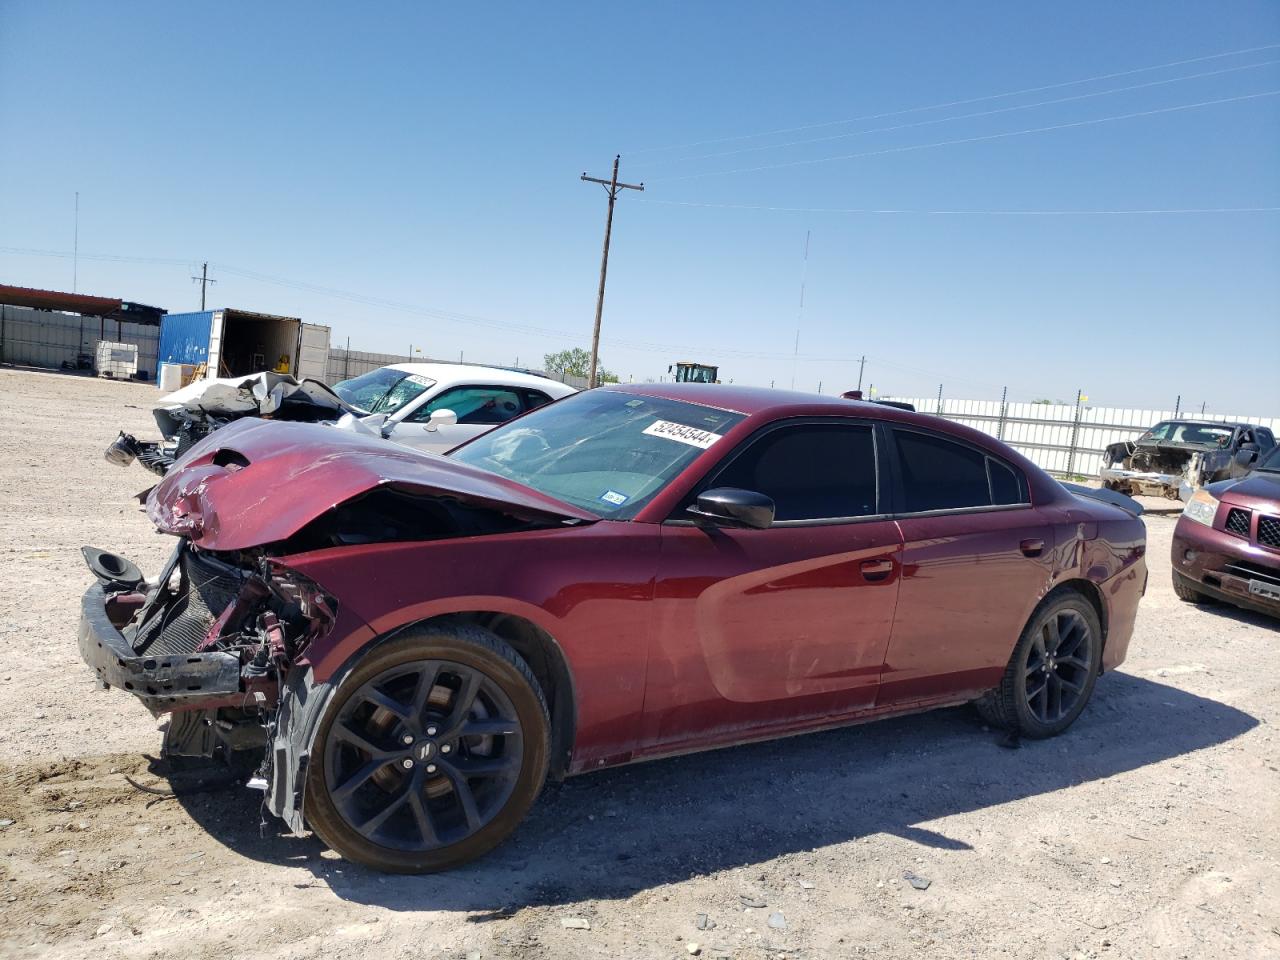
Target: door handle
{"points": [[1031, 548], [877, 569]]}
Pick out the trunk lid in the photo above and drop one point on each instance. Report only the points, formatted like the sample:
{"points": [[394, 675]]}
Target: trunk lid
{"points": [[257, 482]]}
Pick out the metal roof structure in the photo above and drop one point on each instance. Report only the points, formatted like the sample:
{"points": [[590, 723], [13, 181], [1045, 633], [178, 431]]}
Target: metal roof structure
{"points": [[111, 308]]}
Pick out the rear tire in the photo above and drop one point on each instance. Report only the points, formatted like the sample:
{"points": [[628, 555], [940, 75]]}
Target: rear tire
{"points": [[1187, 593], [1052, 671], [431, 753]]}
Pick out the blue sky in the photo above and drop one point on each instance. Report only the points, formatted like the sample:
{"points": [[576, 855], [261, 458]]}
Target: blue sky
{"points": [[426, 158]]}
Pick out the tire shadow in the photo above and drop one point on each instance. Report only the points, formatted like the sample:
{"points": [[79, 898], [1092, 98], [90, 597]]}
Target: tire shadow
{"points": [[612, 834]]}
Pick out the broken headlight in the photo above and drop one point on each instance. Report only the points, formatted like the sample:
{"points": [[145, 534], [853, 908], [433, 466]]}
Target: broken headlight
{"points": [[1202, 508]]}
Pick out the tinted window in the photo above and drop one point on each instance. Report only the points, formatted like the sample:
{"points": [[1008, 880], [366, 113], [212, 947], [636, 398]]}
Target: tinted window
{"points": [[940, 474], [812, 471], [1004, 483], [1265, 439], [535, 398], [479, 405]]}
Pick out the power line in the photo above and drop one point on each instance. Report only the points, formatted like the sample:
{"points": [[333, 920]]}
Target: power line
{"points": [[961, 103], [967, 213], [975, 139], [965, 116]]}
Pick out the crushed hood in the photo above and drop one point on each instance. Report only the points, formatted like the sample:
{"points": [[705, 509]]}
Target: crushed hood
{"points": [[257, 482], [261, 394]]}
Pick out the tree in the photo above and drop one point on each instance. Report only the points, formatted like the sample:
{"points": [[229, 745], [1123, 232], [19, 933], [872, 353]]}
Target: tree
{"points": [[575, 362]]}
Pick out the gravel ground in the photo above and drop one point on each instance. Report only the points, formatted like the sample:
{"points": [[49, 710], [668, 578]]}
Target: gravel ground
{"points": [[1149, 830]]}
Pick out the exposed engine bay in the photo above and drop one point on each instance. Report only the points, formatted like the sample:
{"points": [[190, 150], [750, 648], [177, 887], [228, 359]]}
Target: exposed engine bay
{"points": [[1175, 458], [187, 416]]}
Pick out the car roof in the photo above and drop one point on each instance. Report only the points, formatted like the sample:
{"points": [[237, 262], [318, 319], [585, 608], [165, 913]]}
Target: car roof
{"points": [[448, 374], [753, 401], [1207, 423]]}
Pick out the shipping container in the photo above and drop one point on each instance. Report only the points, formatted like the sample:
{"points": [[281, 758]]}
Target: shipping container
{"points": [[235, 343]]}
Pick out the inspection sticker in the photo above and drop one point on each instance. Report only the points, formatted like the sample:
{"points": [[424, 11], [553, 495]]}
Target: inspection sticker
{"points": [[614, 497], [682, 434]]}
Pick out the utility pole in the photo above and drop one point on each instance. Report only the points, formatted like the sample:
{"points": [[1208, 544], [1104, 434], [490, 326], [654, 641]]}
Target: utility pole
{"points": [[204, 281], [861, 364], [612, 186]]}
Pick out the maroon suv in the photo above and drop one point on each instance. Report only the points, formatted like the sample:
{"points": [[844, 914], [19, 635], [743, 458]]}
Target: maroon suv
{"points": [[1227, 542]]}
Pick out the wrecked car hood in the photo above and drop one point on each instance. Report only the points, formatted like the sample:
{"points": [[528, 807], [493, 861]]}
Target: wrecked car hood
{"points": [[261, 393], [258, 482]]}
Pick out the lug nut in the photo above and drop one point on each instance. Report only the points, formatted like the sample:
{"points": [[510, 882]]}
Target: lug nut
{"points": [[407, 739], [431, 768], [446, 748], [407, 763], [431, 731]]}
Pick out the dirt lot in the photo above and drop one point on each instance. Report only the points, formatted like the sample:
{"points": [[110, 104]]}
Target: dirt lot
{"points": [[1150, 830]]}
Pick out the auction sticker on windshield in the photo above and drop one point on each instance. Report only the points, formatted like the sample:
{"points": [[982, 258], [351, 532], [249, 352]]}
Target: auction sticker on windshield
{"points": [[681, 433]]}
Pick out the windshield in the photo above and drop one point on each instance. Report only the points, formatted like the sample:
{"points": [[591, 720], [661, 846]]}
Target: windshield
{"points": [[604, 451], [384, 390], [1179, 431]]}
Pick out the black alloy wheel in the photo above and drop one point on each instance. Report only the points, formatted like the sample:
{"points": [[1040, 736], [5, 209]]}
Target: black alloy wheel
{"points": [[431, 752], [1052, 671], [1058, 666]]}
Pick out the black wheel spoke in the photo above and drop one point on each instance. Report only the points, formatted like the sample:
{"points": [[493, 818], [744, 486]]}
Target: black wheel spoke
{"points": [[464, 699], [1072, 640], [370, 826], [380, 699], [1036, 699], [347, 735], [426, 829], [1073, 662], [466, 798], [489, 728], [426, 681], [357, 780], [1052, 636], [488, 766]]}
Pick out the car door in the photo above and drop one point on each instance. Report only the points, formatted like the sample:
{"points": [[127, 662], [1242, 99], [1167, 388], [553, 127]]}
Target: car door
{"points": [[781, 627], [479, 408], [975, 561]]}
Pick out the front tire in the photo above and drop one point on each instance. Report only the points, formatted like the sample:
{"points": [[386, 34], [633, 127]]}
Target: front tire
{"points": [[1187, 593], [431, 753], [1051, 674]]}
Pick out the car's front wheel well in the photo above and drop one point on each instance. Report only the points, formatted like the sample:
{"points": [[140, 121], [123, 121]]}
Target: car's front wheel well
{"points": [[545, 658]]}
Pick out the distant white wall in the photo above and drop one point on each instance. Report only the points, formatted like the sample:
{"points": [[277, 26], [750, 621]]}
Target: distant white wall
{"points": [[42, 338]]}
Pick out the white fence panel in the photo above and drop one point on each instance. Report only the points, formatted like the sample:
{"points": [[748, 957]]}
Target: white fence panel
{"points": [[1057, 438]]}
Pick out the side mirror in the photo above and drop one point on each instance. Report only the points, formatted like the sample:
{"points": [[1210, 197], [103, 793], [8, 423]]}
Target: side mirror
{"points": [[731, 507], [1245, 456], [441, 418]]}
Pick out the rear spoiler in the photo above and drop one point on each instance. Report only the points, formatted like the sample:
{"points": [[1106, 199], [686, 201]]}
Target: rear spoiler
{"points": [[1116, 499]]}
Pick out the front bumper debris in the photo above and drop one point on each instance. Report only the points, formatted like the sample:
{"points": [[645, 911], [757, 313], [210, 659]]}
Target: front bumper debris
{"points": [[160, 682], [1149, 483]]}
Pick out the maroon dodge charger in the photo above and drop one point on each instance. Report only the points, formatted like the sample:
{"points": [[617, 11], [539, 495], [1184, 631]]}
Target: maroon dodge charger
{"points": [[408, 646]]}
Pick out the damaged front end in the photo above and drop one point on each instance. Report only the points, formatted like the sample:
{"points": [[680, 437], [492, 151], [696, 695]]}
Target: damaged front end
{"points": [[228, 637], [210, 639], [1154, 470]]}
